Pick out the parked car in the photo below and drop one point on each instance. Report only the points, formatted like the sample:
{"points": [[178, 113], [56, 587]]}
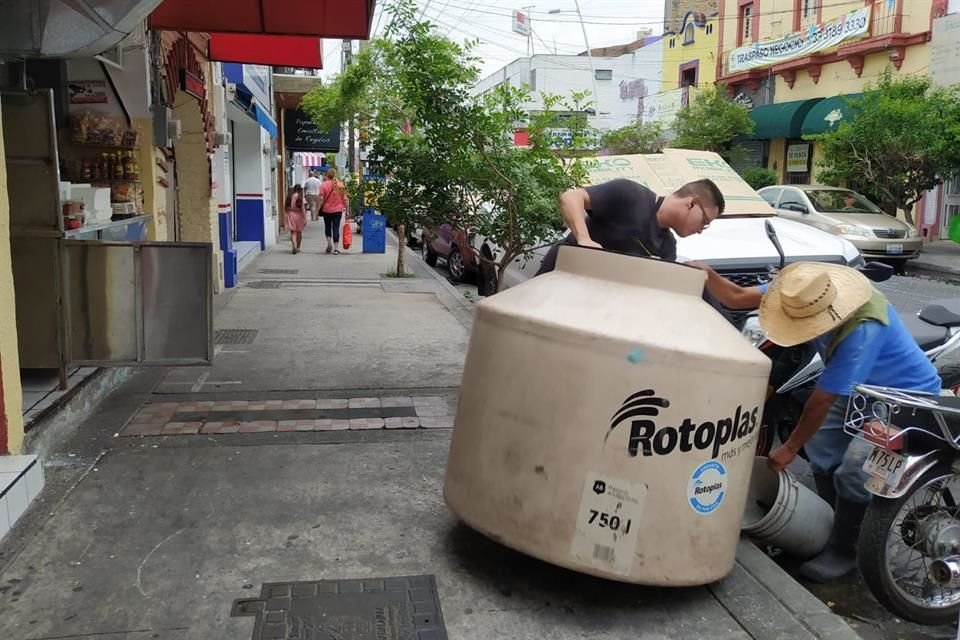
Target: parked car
{"points": [[849, 215], [454, 247], [736, 245]]}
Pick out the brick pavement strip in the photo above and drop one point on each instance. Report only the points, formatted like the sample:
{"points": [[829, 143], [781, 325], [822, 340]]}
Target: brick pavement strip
{"points": [[153, 419]]}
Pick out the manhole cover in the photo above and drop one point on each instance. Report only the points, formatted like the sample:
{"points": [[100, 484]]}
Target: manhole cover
{"points": [[235, 336], [264, 284], [368, 609], [280, 271]]}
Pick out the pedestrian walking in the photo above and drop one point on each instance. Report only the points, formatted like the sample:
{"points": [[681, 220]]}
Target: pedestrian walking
{"points": [[296, 217], [311, 190], [333, 202]]}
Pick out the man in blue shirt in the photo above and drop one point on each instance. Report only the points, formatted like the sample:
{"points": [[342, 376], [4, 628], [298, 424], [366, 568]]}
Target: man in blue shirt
{"points": [[862, 341]]}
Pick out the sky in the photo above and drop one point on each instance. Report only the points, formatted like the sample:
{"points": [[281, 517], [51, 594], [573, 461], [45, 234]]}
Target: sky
{"points": [[607, 22]]}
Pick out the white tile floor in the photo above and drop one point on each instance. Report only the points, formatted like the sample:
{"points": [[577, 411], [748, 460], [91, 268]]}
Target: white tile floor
{"points": [[21, 480], [41, 388]]}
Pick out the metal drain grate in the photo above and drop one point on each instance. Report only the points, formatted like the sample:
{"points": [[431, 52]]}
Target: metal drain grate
{"points": [[235, 336], [346, 609], [288, 272], [264, 284]]}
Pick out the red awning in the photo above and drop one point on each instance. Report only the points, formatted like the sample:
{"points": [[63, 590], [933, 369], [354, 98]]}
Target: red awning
{"points": [[314, 18], [277, 51]]}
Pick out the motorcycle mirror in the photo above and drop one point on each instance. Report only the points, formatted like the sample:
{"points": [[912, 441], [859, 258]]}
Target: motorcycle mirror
{"points": [[772, 234], [877, 271]]}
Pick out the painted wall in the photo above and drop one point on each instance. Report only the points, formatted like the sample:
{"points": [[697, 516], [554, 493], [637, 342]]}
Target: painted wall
{"points": [[839, 78], [677, 51], [9, 356], [633, 76]]}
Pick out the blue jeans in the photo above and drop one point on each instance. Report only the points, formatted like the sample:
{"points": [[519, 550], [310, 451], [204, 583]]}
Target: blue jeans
{"points": [[831, 450]]}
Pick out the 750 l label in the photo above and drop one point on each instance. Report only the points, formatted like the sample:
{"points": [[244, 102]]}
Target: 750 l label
{"points": [[607, 523]]}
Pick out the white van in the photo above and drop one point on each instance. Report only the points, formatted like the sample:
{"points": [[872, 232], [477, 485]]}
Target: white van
{"points": [[735, 245]]}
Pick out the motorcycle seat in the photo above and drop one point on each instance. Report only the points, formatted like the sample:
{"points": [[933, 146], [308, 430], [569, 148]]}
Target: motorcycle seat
{"points": [[927, 335], [943, 313]]}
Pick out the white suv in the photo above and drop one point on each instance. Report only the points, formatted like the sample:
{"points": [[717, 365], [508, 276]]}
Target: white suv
{"points": [[735, 245]]}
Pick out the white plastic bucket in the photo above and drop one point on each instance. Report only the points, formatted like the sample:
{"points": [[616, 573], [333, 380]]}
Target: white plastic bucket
{"points": [[783, 513]]}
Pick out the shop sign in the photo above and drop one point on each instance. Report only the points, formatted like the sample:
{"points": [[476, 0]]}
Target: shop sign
{"points": [[300, 133], [663, 107], [192, 84], [521, 23], [256, 78], [745, 100], [87, 91], [945, 50], [798, 156], [802, 43]]}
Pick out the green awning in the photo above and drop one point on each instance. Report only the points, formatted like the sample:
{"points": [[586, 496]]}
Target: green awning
{"points": [[827, 114], [781, 120]]}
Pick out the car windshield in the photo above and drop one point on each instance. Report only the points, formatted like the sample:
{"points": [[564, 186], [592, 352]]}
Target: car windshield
{"points": [[840, 201]]}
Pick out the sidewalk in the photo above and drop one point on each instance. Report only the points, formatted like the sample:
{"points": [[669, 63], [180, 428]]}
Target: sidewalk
{"points": [[939, 256], [295, 488]]}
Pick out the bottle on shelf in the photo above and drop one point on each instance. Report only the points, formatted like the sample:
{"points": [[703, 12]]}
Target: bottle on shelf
{"points": [[86, 170], [105, 165]]}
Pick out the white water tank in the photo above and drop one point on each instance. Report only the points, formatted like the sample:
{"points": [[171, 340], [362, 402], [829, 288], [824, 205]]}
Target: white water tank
{"points": [[607, 422]]}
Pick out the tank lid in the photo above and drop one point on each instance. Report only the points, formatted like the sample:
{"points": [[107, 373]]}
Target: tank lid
{"points": [[651, 273]]}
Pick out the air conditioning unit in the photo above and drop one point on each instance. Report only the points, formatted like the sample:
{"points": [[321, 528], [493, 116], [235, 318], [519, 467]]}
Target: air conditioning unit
{"points": [[231, 89], [174, 129], [222, 138]]}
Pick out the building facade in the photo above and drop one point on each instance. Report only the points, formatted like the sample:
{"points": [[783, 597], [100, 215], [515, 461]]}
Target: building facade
{"points": [[793, 62]]}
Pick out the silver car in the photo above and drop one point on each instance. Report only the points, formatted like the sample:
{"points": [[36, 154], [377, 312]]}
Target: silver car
{"points": [[847, 214]]}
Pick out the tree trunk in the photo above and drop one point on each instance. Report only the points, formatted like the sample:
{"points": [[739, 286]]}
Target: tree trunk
{"points": [[402, 251]]}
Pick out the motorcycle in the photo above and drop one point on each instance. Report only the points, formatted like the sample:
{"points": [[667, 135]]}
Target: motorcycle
{"points": [[909, 546], [795, 370]]}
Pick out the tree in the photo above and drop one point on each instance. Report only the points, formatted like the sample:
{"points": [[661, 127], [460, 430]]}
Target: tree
{"points": [[712, 123], [410, 87], [639, 137], [759, 177], [515, 190], [902, 140]]}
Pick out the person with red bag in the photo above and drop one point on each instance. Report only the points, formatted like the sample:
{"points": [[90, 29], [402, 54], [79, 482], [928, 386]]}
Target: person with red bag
{"points": [[333, 202]]}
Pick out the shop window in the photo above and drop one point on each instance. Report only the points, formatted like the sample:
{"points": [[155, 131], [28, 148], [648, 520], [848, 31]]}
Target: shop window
{"points": [[745, 24], [603, 74]]}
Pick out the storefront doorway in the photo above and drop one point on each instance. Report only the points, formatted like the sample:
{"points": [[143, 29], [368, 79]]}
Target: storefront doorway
{"points": [[951, 204]]}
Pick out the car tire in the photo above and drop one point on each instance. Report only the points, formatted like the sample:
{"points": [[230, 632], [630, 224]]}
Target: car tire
{"points": [[486, 279], [455, 265], [428, 254]]}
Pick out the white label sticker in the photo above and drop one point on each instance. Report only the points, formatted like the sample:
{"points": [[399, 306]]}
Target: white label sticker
{"points": [[707, 487], [607, 523]]}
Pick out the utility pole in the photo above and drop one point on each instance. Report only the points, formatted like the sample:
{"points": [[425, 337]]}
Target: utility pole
{"points": [[351, 136], [526, 14]]}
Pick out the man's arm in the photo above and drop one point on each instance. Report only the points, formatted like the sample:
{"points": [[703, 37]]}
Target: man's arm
{"points": [[573, 208], [814, 413], [728, 293]]}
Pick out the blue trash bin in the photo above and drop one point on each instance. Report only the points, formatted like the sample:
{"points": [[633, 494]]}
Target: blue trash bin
{"points": [[374, 233]]}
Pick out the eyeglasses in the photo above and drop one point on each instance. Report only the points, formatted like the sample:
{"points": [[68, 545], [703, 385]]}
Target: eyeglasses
{"points": [[706, 218]]}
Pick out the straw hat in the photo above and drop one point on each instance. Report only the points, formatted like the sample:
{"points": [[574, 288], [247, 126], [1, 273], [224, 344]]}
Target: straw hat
{"points": [[809, 299]]}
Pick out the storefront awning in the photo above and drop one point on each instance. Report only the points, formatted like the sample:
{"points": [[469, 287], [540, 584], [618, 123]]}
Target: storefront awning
{"points": [[314, 18], [827, 114], [275, 51], [783, 120], [253, 92]]}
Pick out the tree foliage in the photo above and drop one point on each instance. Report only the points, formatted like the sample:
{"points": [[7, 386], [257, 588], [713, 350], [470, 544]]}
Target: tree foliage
{"points": [[448, 156], [902, 140], [712, 122], [759, 177], [639, 137]]}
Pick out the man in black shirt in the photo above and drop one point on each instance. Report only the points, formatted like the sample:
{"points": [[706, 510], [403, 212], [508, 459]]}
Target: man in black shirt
{"points": [[624, 216]]}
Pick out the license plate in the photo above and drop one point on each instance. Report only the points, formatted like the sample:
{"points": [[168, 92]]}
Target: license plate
{"points": [[885, 465], [895, 249]]}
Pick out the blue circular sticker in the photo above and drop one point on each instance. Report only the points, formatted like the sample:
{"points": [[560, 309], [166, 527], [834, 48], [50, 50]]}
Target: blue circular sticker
{"points": [[706, 488]]}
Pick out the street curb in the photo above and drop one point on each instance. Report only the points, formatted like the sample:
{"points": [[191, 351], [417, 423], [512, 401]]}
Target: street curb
{"points": [[780, 592], [916, 265]]}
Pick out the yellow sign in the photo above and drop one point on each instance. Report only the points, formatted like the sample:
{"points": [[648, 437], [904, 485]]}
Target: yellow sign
{"points": [[666, 172]]}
